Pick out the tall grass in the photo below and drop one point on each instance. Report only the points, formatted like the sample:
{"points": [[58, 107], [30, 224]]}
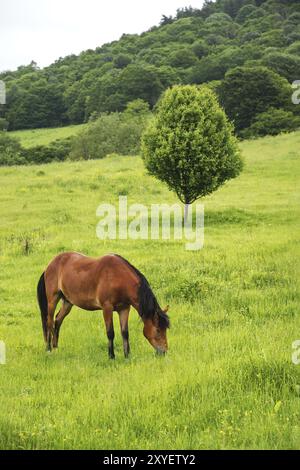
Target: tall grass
{"points": [[228, 380]]}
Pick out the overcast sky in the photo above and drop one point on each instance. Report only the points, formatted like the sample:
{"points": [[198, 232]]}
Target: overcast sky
{"points": [[44, 30]]}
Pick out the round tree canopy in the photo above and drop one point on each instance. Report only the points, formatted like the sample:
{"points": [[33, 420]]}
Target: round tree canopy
{"points": [[190, 143]]}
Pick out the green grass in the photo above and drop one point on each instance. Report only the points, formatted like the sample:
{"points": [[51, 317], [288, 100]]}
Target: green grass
{"points": [[228, 380], [33, 137]]}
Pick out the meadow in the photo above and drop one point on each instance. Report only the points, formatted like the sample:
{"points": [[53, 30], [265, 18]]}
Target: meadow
{"points": [[228, 380], [33, 137]]}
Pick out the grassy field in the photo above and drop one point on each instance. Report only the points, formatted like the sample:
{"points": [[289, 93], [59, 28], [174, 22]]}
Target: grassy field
{"points": [[228, 380], [33, 137]]}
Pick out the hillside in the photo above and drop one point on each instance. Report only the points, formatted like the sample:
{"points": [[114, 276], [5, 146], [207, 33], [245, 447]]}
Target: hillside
{"points": [[234, 308], [196, 46]]}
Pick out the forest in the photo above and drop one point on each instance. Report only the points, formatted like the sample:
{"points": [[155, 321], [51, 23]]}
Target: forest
{"points": [[248, 51]]}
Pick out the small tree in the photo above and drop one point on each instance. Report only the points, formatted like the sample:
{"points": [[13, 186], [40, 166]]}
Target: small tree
{"points": [[189, 144]]}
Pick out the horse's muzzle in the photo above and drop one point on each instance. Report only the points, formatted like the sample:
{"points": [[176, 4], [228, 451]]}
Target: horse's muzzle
{"points": [[161, 352]]}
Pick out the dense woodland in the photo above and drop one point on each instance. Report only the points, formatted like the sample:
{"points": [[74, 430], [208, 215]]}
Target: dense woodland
{"points": [[247, 51], [262, 38]]}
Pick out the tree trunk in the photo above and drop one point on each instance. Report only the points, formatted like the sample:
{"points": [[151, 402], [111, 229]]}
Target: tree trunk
{"points": [[186, 212]]}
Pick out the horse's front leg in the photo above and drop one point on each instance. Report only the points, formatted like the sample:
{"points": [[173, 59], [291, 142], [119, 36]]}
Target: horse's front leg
{"points": [[123, 316], [109, 324]]}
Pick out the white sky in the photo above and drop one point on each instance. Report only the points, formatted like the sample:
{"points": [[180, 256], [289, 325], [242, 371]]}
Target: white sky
{"points": [[44, 30]]}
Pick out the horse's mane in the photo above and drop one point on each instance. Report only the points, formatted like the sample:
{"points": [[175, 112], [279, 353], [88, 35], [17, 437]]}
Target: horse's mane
{"points": [[148, 305]]}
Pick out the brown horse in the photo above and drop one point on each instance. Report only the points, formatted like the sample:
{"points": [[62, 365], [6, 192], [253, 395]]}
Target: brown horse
{"points": [[110, 284]]}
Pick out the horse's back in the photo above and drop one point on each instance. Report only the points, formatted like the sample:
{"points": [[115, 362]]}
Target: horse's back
{"points": [[90, 282]]}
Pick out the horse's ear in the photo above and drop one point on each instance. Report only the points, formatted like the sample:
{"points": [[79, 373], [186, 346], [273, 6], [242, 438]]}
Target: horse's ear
{"points": [[166, 309]]}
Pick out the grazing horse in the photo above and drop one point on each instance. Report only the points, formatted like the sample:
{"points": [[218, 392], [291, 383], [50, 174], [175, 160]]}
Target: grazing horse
{"points": [[109, 283]]}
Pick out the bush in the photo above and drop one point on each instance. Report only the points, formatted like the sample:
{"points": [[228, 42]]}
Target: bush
{"points": [[55, 151], [10, 150], [111, 133], [3, 124], [272, 122]]}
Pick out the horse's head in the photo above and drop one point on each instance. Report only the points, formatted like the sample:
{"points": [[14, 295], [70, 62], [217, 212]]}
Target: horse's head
{"points": [[155, 330]]}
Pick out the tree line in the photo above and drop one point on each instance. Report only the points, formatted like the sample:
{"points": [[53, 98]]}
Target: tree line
{"points": [[246, 50]]}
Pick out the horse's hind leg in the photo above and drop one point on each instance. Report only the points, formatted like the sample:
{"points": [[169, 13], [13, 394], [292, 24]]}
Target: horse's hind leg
{"points": [[63, 312], [108, 319], [52, 303], [123, 317]]}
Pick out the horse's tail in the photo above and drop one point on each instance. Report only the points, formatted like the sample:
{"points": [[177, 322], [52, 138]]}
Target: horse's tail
{"points": [[43, 302]]}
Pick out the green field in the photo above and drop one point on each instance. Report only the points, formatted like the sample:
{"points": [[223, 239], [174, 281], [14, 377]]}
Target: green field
{"points": [[228, 380], [33, 137]]}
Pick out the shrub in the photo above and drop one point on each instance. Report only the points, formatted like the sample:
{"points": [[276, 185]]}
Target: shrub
{"points": [[10, 150], [112, 133], [55, 151], [272, 122], [3, 124]]}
